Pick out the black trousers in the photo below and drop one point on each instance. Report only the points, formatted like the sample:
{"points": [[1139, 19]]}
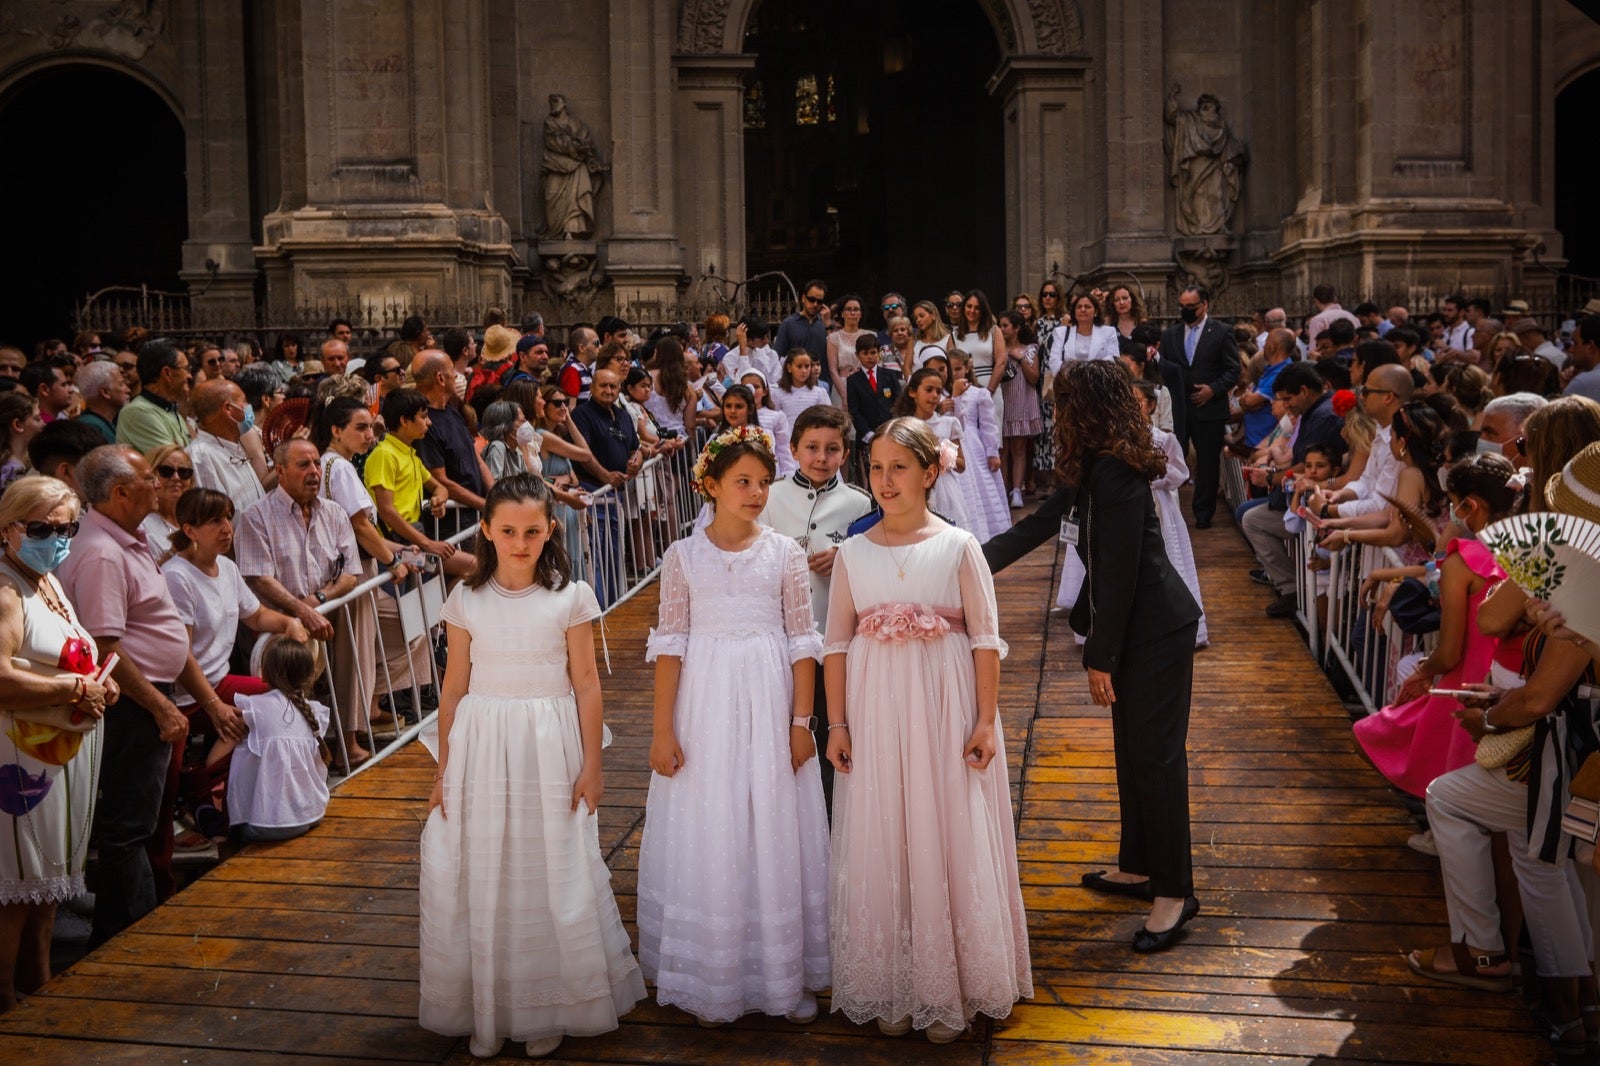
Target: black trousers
{"points": [[1207, 439], [1150, 732], [133, 772]]}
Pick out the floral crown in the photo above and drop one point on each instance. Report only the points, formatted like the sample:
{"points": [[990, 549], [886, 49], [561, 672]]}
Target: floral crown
{"points": [[746, 434]]}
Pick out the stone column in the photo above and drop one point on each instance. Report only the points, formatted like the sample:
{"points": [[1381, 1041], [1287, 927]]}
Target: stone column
{"points": [[1047, 216], [642, 257], [710, 162], [1132, 83], [219, 263], [389, 199]]}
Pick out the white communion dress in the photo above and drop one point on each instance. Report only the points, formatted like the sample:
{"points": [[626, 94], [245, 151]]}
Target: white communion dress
{"points": [[733, 865], [520, 932]]}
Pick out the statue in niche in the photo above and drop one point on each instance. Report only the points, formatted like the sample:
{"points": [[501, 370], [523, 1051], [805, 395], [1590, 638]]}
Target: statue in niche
{"points": [[1205, 163], [572, 174]]}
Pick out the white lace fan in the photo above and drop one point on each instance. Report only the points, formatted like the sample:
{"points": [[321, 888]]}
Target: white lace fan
{"points": [[1555, 557]]}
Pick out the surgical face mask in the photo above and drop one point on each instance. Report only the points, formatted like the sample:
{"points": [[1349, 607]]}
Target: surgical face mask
{"points": [[1190, 315], [249, 419], [43, 556], [526, 433], [1486, 447]]}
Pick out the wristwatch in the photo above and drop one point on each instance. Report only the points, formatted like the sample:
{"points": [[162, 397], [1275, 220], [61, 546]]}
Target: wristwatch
{"points": [[807, 723], [322, 597]]}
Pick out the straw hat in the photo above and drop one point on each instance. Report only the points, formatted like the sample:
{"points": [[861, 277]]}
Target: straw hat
{"points": [[1576, 490], [1515, 308], [1592, 307], [498, 344]]}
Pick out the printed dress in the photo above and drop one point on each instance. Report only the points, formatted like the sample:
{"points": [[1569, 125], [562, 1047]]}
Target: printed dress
{"points": [[520, 932], [733, 866], [48, 774], [926, 902]]}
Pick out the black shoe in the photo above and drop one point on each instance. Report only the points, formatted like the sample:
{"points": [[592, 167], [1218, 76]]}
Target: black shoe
{"points": [[1203, 523], [1282, 607], [1260, 577], [1144, 941], [1097, 882]]}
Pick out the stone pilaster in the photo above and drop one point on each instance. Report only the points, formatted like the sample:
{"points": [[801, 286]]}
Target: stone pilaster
{"points": [[710, 162]]}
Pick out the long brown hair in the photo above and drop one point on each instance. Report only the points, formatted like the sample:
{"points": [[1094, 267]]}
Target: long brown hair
{"points": [[554, 567], [291, 668], [1097, 414]]}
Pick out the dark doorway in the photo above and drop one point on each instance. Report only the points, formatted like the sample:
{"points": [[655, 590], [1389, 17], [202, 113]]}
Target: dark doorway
{"points": [[94, 191], [873, 152], [1576, 218]]}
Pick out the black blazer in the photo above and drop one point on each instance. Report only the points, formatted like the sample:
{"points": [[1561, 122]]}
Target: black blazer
{"points": [[868, 409], [1131, 593], [1216, 363], [1003, 549]]}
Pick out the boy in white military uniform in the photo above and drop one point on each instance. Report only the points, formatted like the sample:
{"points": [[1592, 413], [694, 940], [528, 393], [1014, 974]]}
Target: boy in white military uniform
{"points": [[816, 506]]}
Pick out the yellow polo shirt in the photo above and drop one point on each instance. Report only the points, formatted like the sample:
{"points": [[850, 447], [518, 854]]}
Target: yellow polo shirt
{"points": [[395, 466]]}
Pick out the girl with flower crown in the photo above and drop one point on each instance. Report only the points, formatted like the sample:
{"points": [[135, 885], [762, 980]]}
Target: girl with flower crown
{"points": [[733, 866], [928, 927]]}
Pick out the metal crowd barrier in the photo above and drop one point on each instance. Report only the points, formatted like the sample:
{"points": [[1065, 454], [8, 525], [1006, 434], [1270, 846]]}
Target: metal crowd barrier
{"points": [[1368, 657], [1307, 609], [1233, 483]]}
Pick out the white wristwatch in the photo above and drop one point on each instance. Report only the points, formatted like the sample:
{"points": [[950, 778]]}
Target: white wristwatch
{"points": [[808, 723]]}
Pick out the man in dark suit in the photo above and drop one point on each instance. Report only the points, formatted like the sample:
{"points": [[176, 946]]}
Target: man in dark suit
{"points": [[1205, 351], [871, 392]]}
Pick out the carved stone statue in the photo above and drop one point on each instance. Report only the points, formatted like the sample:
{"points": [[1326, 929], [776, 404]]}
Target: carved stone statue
{"points": [[1205, 163], [572, 174]]}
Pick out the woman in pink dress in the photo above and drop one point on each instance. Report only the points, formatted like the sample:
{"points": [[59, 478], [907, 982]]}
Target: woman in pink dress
{"points": [[1417, 738]]}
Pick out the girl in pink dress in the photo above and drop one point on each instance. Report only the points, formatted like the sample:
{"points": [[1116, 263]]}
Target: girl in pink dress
{"points": [[927, 924], [1417, 738]]}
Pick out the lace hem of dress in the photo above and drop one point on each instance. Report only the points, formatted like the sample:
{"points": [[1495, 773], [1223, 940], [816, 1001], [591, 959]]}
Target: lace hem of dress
{"points": [[34, 891], [924, 1015], [567, 994], [659, 644], [805, 646], [838, 647]]}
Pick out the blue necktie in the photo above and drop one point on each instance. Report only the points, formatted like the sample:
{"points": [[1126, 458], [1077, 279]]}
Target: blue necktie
{"points": [[1191, 335]]}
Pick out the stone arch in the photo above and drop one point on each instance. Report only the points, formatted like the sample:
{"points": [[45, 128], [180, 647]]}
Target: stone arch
{"points": [[1023, 27], [19, 72]]}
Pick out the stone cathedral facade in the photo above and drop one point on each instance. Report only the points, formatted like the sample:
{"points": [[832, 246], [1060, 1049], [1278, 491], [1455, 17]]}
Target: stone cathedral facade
{"points": [[517, 151]]}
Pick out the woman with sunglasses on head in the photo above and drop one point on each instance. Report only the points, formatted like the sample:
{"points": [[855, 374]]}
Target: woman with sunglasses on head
{"points": [[51, 722], [174, 472]]}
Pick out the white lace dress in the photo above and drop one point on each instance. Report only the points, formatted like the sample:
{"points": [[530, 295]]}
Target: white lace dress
{"points": [[733, 867], [983, 491], [520, 932], [946, 498], [926, 901]]}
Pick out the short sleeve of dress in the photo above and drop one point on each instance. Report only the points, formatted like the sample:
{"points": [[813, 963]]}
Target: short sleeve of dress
{"points": [[798, 622], [841, 609], [585, 607], [977, 600], [454, 610], [671, 634]]}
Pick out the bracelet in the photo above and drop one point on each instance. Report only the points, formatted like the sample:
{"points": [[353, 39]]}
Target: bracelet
{"points": [[838, 725], [1487, 727], [80, 689]]}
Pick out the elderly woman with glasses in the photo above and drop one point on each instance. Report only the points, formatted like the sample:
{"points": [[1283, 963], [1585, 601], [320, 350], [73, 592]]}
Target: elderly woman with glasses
{"points": [[52, 717], [174, 472]]}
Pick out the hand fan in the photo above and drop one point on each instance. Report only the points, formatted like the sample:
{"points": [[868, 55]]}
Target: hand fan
{"points": [[1421, 526], [1555, 557], [284, 421]]}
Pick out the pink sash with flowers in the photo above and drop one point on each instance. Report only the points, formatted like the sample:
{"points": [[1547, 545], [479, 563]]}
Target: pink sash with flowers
{"points": [[900, 622]]}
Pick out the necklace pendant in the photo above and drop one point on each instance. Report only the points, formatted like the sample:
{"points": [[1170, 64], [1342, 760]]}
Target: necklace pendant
{"points": [[901, 574]]}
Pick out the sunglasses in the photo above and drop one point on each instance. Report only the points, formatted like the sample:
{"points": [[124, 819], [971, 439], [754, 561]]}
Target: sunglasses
{"points": [[951, 304], [167, 470], [557, 403], [1367, 390], [46, 530], [893, 307], [388, 370], [814, 299]]}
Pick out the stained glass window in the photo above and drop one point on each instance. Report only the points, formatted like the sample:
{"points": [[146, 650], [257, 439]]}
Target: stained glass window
{"points": [[755, 107], [807, 106], [828, 106]]}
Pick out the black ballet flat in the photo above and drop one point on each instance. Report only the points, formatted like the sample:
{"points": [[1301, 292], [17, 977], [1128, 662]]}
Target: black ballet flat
{"points": [[1144, 941], [1098, 882]]}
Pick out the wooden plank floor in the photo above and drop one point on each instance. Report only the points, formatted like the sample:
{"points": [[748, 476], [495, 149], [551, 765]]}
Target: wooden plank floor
{"points": [[309, 948]]}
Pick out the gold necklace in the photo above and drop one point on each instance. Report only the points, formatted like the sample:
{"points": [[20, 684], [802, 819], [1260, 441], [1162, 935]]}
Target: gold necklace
{"points": [[899, 563]]}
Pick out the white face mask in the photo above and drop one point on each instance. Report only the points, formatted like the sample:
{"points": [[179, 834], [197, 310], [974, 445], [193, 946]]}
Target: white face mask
{"points": [[526, 433], [1489, 448]]}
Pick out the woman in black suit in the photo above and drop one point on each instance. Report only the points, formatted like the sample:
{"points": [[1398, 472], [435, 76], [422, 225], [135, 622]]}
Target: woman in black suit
{"points": [[1139, 621]]}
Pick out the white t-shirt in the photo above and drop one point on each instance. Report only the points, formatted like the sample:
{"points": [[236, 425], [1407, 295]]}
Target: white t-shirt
{"points": [[277, 779], [213, 606], [342, 485]]}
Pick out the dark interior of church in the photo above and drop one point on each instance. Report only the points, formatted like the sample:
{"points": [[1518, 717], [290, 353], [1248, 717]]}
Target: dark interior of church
{"points": [[873, 155]]}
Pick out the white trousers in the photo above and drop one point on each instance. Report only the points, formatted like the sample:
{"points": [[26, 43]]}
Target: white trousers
{"points": [[1464, 808]]}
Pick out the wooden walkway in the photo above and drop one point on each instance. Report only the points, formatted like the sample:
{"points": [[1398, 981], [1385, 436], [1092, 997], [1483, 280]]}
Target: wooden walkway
{"points": [[309, 948]]}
